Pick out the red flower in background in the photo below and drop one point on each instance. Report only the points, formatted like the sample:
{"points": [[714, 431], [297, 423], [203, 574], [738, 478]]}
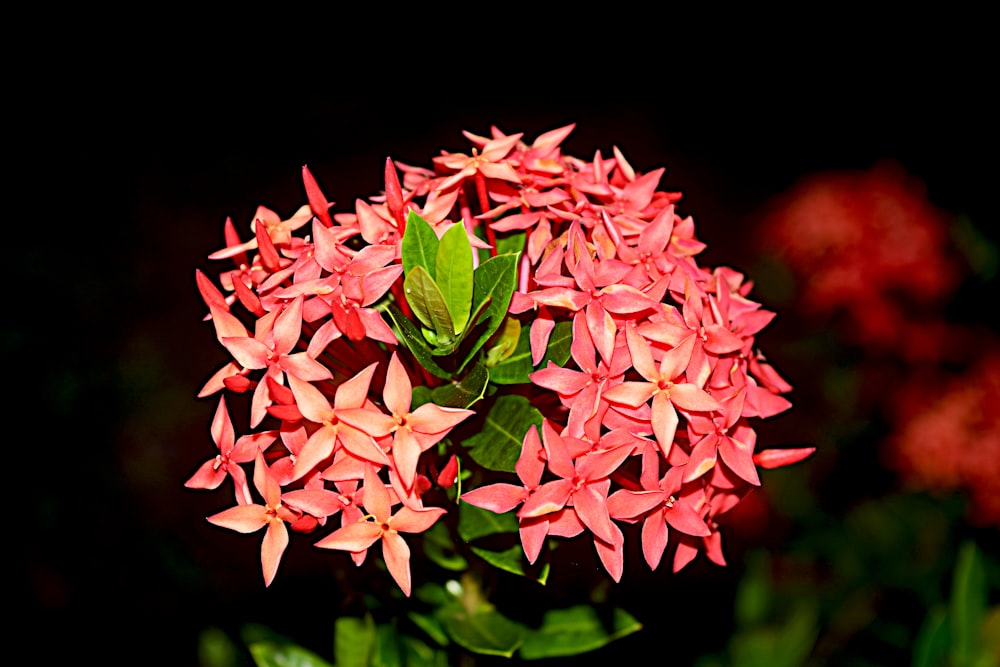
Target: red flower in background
{"points": [[870, 246], [947, 435]]}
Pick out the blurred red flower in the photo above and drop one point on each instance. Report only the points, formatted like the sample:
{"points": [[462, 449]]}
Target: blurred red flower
{"points": [[947, 436], [870, 247]]}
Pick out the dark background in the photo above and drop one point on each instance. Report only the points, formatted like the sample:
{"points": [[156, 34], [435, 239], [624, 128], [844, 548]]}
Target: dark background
{"points": [[135, 155]]}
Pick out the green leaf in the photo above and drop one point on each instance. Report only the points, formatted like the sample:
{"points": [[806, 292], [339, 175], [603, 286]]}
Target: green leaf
{"points": [[517, 368], [930, 648], [431, 625], [419, 654], [439, 547], [462, 392], [387, 652], [968, 603], [421, 395], [511, 243], [428, 304], [419, 246], [454, 274], [271, 649], [407, 334], [285, 655], [483, 630], [494, 282], [513, 560], [576, 630], [432, 593], [475, 522], [498, 444], [753, 596], [353, 641], [216, 649], [784, 644], [504, 341]]}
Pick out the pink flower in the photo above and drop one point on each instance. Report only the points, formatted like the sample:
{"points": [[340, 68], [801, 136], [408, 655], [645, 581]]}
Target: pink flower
{"points": [[648, 421], [412, 432], [272, 515], [381, 524]]}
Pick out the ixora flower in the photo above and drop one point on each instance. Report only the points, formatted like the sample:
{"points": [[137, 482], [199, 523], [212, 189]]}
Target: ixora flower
{"points": [[535, 326]]}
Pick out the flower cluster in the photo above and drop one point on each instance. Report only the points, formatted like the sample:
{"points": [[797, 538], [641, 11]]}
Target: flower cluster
{"points": [[513, 284]]}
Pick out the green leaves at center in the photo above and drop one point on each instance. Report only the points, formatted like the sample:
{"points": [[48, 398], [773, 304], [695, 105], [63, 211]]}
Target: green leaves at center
{"points": [[428, 304], [454, 274], [458, 308], [439, 279]]}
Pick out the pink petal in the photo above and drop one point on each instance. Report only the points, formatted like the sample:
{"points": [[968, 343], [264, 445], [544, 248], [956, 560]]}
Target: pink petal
{"points": [[739, 458], [275, 541], [407, 520], [531, 463], [690, 397], [405, 453], [242, 518], [356, 536], [396, 554], [632, 394], [560, 380], [541, 330], [249, 352], [625, 504], [317, 502], [376, 499], [398, 390], [612, 553], [548, 498], [591, 506], [288, 327], [311, 402], [664, 419], [317, 201], [352, 393], [497, 498], [777, 458], [319, 447], [209, 475], [533, 532], [683, 518], [430, 418], [654, 539], [368, 420], [305, 367]]}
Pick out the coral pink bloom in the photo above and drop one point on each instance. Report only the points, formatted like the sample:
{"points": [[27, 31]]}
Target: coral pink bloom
{"points": [[381, 524], [489, 162], [502, 497], [659, 508], [660, 385], [232, 453], [275, 352], [726, 435], [582, 483], [316, 408], [270, 350], [413, 432], [272, 515], [580, 390], [599, 292]]}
